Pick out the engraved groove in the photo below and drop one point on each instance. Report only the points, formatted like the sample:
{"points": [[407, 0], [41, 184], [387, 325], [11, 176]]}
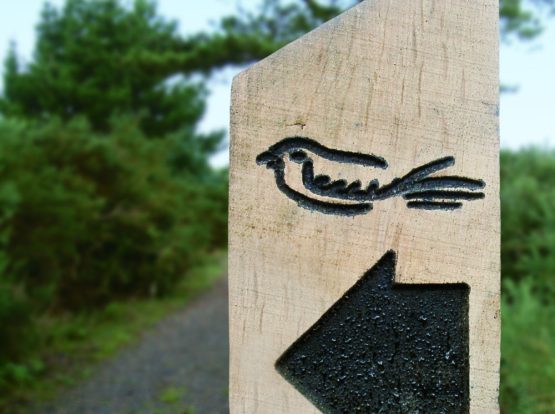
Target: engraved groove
{"points": [[349, 199]]}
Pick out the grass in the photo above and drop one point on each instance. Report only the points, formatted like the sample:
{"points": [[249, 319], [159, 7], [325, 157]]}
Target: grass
{"points": [[171, 395], [72, 345]]}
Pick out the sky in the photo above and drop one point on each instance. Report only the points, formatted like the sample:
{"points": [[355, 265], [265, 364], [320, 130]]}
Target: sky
{"points": [[526, 116]]}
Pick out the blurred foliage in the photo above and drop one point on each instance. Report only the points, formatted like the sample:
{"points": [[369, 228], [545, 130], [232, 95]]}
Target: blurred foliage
{"points": [[106, 191], [92, 59], [528, 219], [100, 216], [528, 269], [523, 18], [527, 350], [90, 217]]}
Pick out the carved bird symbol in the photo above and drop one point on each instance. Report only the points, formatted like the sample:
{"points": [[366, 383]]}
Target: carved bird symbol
{"points": [[417, 187]]}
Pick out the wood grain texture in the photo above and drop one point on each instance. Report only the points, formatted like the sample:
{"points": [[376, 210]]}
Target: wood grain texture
{"points": [[411, 82]]}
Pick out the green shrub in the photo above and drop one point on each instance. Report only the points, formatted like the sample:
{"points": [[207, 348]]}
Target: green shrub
{"points": [[528, 268], [528, 218], [18, 336], [15, 323], [101, 216], [528, 351]]}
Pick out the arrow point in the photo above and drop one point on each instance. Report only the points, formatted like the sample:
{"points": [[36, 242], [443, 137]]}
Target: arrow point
{"points": [[382, 274]]}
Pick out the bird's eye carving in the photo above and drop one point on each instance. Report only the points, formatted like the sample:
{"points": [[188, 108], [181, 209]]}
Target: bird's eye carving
{"points": [[419, 187], [298, 156]]}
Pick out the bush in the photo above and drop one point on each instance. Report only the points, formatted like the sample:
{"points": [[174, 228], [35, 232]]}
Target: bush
{"points": [[528, 348], [16, 330], [528, 218], [528, 266], [101, 216], [87, 218], [15, 323]]}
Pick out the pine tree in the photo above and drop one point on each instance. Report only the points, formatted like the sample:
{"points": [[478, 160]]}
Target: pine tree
{"points": [[101, 59]]}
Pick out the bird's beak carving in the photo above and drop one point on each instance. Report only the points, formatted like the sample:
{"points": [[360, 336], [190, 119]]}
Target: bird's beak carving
{"points": [[270, 160], [265, 158]]}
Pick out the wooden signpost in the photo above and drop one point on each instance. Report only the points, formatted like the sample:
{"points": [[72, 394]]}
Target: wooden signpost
{"points": [[364, 216]]}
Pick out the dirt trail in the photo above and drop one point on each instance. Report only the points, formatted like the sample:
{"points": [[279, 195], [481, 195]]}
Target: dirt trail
{"points": [[178, 367]]}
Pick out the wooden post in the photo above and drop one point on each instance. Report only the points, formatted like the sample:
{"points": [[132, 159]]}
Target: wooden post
{"points": [[364, 216]]}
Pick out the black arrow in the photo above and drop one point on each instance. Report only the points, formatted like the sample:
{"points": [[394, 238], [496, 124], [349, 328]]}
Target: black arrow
{"points": [[386, 348]]}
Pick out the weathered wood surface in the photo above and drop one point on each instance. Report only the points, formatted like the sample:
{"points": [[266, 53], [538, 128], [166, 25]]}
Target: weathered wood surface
{"points": [[408, 81]]}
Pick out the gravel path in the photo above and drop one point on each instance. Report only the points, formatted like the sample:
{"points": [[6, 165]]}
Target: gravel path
{"points": [[178, 367]]}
